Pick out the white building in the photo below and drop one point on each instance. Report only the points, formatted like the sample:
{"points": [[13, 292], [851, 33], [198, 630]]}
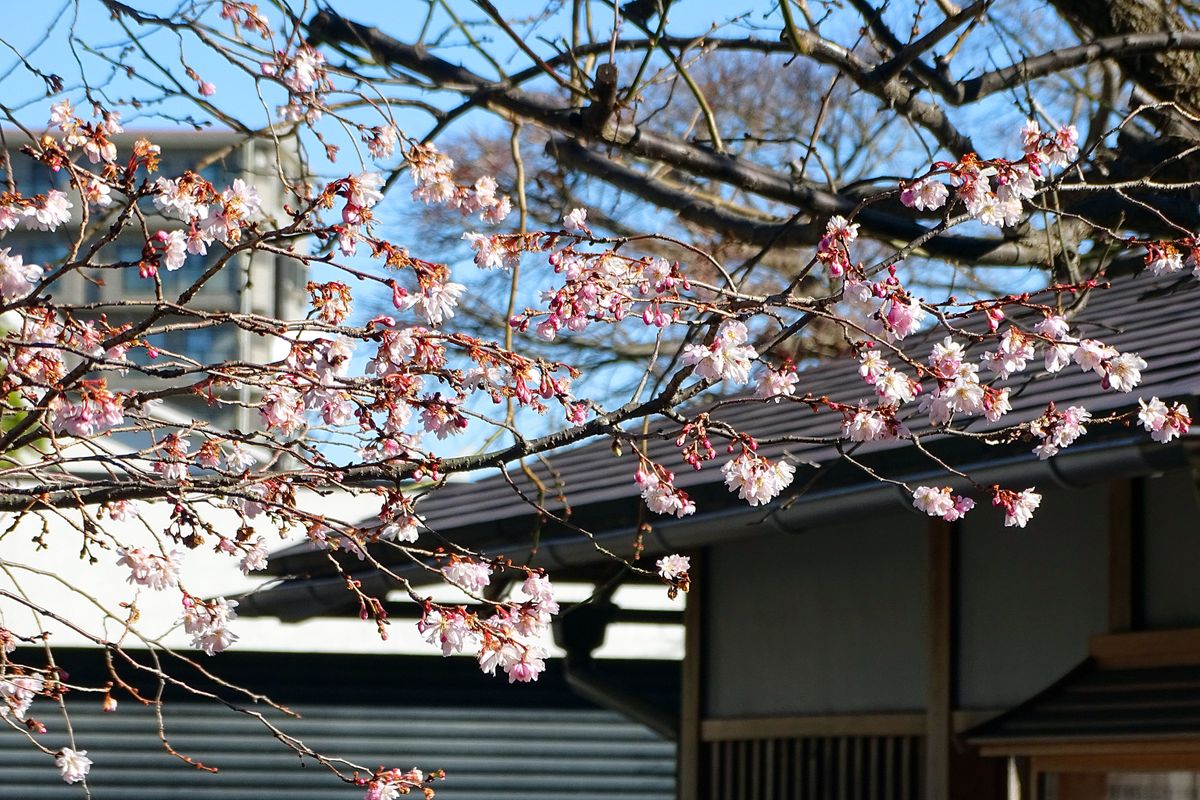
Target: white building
{"points": [[265, 285]]}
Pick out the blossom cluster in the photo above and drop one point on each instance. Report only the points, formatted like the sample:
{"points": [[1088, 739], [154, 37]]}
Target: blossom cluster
{"points": [[305, 75], [508, 639], [603, 287], [96, 410], [834, 248], [1018, 506], [959, 389], [1058, 429], [17, 692], [389, 784], [150, 570], [994, 191], [726, 358], [756, 479], [433, 178], [942, 502], [661, 495], [210, 217], [885, 308], [207, 622], [1163, 422]]}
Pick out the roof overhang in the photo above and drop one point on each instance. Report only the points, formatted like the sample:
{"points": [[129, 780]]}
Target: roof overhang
{"points": [[1134, 689], [308, 591]]}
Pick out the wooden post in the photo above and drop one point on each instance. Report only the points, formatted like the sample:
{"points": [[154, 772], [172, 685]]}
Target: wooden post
{"points": [[939, 695], [689, 762]]}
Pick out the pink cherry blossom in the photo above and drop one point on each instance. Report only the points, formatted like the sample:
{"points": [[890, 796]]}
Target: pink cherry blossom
{"points": [[438, 301], [727, 358], [903, 317], [472, 576], [49, 211], [207, 622], [673, 566], [1091, 355], [755, 479], [17, 279], [1163, 422], [941, 502], [871, 365], [17, 691], [449, 631], [895, 388], [1163, 259], [1124, 372], [866, 426], [1018, 506], [661, 496], [151, 570], [777, 383], [175, 249], [405, 528], [575, 220], [255, 557], [1059, 429], [924, 195]]}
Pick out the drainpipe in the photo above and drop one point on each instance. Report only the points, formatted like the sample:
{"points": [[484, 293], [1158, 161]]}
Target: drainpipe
{"points": [[579, 631]]}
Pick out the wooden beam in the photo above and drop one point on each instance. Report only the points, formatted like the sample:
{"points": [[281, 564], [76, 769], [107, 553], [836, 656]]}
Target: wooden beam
{"points": [[816, 725], [939, 698], [689, 761], [965, 719], [1114, 762], [1120, 556], [1147, 648], [1166, 748]]}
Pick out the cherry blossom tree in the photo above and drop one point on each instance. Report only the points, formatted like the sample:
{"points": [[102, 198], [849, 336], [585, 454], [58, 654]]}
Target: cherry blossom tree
{"points": [[944, 267]]}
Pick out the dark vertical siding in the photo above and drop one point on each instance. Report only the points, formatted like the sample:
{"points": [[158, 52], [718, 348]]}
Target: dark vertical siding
{"points": [[814, 768]]}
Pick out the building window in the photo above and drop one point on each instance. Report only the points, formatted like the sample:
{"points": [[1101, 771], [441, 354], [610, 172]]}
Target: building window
{"points": [[43, 250], [227, 281], [1172, 785], [220, 173], [32, 177], [205, 345]]}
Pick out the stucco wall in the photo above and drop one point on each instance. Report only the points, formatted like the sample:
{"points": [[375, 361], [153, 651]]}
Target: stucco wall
{"points": [[1030, 597], [824, 621], [833, 620], [1171, 552]]}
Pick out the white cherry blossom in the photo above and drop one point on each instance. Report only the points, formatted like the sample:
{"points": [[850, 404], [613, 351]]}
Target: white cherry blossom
{"points": [[73, 764]]}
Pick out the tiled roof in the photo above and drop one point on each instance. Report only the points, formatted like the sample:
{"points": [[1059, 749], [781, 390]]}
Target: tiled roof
{"points": [[1164, 328], [1157, 319], [1098, 704]]}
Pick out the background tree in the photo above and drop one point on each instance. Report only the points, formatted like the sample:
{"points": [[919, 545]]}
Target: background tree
{"points": [[745, 132]]}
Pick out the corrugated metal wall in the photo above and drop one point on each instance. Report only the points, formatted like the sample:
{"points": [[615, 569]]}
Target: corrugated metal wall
{"points": [[492, 753]]}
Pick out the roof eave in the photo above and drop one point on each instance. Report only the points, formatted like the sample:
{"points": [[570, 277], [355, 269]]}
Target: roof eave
{"points": [[1132, 455]]}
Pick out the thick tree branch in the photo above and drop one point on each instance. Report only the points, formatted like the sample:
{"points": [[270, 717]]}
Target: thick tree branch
{"points": [[641, 143], [1112, 47], [971, 250]]}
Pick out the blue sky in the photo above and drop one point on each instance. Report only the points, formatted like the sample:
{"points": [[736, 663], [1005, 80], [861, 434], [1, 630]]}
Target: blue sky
{"points": [[54, 20]]}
